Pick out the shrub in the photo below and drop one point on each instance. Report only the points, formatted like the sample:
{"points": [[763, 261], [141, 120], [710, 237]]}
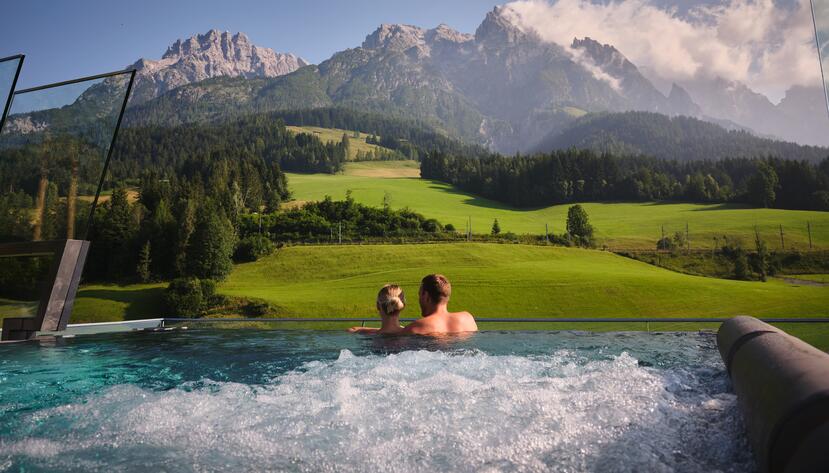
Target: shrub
{"points": [[449, 227], [190, 297], [252, 248], [256, 308], [665, 244]]}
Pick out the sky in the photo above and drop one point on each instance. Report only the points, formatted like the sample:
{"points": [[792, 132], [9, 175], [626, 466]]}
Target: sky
{"points": [[768, 44]]}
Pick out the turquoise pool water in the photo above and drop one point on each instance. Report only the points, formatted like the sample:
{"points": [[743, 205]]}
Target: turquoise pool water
{"points": [[211, 400]]}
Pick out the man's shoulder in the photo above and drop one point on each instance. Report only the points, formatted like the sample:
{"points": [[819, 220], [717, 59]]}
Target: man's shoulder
{"points": [[462, 314]]}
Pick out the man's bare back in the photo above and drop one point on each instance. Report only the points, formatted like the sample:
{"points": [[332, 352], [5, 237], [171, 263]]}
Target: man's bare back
{"points": [[434, 297], [446, 322]]}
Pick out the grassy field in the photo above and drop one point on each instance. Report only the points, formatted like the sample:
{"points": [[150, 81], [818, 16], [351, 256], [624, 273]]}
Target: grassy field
{"points": [[335, 135], [494, 280], [618, 225]]}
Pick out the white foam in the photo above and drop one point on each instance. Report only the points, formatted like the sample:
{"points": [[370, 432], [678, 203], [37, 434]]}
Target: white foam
{"points": [[414, 411]]}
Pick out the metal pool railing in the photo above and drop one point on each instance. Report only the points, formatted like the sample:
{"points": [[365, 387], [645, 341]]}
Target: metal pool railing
{"points": [[810, 327]]}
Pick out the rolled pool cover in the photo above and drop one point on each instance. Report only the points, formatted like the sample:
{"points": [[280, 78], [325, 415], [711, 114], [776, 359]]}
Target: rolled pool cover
{"points": [[782, 387]]}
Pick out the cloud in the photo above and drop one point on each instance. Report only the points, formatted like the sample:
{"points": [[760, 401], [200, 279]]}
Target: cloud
{"points": [[768, 46]]}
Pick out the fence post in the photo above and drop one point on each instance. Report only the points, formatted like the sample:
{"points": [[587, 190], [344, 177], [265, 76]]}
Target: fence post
{"points": [[782, 240], [809, 229]]}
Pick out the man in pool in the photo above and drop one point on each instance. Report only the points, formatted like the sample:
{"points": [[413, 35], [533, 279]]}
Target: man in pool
{"points": [[434, 297]]}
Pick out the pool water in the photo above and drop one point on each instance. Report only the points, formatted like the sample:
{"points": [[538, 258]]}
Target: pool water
{"points": [[209, 400]]}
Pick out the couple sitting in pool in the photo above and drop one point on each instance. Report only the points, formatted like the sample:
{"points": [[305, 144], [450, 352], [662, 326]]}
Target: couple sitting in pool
{"points": [[435, 317]]}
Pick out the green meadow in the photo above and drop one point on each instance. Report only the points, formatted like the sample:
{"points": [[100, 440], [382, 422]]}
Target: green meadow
{"points": [[335, 135], [617, 225]]}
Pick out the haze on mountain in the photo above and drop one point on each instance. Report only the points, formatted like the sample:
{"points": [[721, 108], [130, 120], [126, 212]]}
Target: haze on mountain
{"points": [[504, 87]]}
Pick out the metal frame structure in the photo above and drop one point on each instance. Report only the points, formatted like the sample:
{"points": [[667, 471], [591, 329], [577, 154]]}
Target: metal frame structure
{"points": [[819, 57], [58, 298], [105, 168], [69, 256], [8, 103]]}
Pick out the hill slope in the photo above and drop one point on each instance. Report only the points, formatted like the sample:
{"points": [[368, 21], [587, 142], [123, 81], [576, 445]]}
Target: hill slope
{"points": [[682, 138]]}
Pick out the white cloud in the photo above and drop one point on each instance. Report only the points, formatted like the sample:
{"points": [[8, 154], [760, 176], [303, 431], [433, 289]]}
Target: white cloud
{"points": [[769, 47]]}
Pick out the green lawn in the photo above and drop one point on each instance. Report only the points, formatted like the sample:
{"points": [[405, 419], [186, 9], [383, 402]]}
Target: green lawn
{"points": [[494, 280], [618, 225]]}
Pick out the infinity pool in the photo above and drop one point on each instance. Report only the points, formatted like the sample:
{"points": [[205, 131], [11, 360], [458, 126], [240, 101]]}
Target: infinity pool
{"points": [[207, 400]]}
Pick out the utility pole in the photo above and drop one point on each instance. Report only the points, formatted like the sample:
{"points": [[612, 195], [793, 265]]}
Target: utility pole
{"points": [[782, 240], [340, 231], [809, 229], [547, 232]]}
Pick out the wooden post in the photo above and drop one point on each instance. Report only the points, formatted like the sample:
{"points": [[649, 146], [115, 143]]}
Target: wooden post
{"points": [[809, 230], [782, 240]]}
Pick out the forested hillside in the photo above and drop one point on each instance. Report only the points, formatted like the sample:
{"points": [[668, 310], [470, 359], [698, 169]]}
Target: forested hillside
{"points": [[678, 138], [583, 175]]}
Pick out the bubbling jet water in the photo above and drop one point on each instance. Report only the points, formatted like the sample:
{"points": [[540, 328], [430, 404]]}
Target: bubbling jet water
{"points": [[413, 411]]}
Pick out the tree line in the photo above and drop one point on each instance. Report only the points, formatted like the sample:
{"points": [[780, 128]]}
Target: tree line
{"points": [[574, 175]]}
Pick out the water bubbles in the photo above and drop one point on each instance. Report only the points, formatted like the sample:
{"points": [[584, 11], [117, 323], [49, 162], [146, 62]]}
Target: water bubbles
{"points": [[471, 409]]}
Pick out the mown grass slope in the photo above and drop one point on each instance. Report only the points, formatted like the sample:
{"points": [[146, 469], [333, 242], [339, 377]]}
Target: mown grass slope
{"points": [[504, 280], [335, 135], [618, 225]]}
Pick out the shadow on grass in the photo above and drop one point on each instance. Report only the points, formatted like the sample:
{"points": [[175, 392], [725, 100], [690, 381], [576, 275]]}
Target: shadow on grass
{"points": [[144, 303], [476, 200]]}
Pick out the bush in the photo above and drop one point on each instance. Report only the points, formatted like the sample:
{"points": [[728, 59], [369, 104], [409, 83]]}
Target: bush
{"points": [[449, 227], [665, 244], [190, 297], [256, 308], [252, 248]]}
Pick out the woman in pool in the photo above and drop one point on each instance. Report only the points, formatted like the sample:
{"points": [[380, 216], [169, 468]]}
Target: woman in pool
{"points": [[390, 302]]}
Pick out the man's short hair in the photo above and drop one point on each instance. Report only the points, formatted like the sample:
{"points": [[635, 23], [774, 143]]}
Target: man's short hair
{"points": [[437, 287]]}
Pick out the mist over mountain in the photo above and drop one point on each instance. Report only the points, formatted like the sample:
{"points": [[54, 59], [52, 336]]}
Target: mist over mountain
{"points": [[503, 87]]}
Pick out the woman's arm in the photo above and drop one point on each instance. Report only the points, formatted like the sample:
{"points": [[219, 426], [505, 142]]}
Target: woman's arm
{"points": [[363, 330]]}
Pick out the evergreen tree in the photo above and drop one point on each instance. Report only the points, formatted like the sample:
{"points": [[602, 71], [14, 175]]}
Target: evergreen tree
{"points": [[496, 229], [143, 269], [210, 252]]}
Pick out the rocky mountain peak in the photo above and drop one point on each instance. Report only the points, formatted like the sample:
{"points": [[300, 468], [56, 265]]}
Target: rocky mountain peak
{"points": [[395, 37], [500, 28], [605, 56], [203, 56]]}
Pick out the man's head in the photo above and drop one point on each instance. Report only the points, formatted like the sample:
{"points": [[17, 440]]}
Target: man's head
{"points": [[434, 291]]}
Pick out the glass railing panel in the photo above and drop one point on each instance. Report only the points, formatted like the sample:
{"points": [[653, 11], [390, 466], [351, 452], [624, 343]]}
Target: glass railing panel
{"points": [[54, 149]]}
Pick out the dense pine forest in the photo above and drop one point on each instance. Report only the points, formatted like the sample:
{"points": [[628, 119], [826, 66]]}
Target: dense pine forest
{"points": [[583, 175]]}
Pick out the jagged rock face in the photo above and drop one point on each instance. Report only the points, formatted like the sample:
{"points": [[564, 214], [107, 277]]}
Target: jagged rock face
{"points": [[205, 56]]}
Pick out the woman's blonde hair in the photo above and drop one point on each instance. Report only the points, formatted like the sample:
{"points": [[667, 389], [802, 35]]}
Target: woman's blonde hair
{"points": [[390, 299]]}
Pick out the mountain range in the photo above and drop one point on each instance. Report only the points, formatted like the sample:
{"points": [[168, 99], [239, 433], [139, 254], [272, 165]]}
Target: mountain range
{"points": [[502, 87]]}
